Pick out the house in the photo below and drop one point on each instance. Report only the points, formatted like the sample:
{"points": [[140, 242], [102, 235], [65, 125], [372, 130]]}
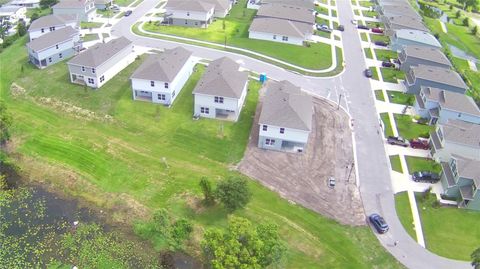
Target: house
{"points": [[256, 4], [54, 47], [408, 37], [12, 14], [419, 55], [460, 180], [162, 76], [101, 62], [286, 118], [84, 9], [222, 7], [436, 77], [391, 9], [438, 105], [455, 137], [287, 12], [25, 3], [394, 23], [50, 23], [221, 91], [103, 4], [195, 13]]}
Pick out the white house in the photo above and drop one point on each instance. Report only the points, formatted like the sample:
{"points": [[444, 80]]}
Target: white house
{"points": [[286, 118], [438, 105], [409, 37], [162, 76], [101, 62], [12, 14], [194, 13], [222, 7], [85, 10], [50, 23], [221, 91], [25, 3], [54, 47], [455, 137]]}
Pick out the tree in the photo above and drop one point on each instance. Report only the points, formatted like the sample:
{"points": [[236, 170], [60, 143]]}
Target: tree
{"points": [[475, 30], [174, 233], [5, 123], [208, 195], [21, 28], [468, 3], [47, 3], [34, 17], [233, 192], [465, 22], [476, 258], [458, 14], [242, 245]]}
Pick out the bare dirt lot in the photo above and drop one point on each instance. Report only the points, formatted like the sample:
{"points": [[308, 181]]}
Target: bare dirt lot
{"points": [[303, 178]]}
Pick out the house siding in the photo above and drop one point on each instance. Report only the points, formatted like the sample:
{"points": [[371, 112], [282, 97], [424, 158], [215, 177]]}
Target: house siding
{"points": [[189, 18], [270, 37], [86, 13], [51, 55], [38, 33], [299, 137]]}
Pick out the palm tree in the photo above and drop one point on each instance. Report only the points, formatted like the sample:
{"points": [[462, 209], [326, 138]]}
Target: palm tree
{"points": [[476, 258]]}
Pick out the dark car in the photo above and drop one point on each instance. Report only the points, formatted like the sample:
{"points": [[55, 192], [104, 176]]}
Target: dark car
{"points": [[368, 73], [128, 13], [381, 43], [377, 30], [399, 141], [425, 176], [362, 27], [387, 64], [341, 28], [379, 223], [419, 144]]}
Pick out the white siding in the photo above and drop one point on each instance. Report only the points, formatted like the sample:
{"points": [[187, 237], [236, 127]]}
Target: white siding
{"points": [[293, 135], [53, 50], [275, 38], [190, 15], [38, 33], [208, 101]]}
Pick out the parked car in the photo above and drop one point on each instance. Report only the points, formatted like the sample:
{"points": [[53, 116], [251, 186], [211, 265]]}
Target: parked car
{"points": [[381, 43], [331, 182], [341, 28], [377, 30], [399, 141], [379, 223], [364, 27], [354, 22], [368, 73], [388, 64], [324, 28], [425, 176], [128, 13], [419, 144], [114, 6]]}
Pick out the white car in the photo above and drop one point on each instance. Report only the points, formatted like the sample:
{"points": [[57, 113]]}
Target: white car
{"points": [[354, 22]]}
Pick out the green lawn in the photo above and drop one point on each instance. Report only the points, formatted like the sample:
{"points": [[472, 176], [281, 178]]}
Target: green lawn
{"points": [[151, 157], [321, 10], [449, 232], [404, 213], [395, 163], [366, 3], [388, 131], [472, 77], [401, 98], [40, 11], [392, 75], [409, 129], [374, 73], [317, 56], [377, 37], [88, 25], [385, 55], [90, 37], [364, 37], [123, 3], [368, 53], [379, 95], [369, 13], [416, 164]]}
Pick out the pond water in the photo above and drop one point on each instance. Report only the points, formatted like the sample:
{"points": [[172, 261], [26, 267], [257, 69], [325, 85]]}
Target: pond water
{"points": [[457, 52]]}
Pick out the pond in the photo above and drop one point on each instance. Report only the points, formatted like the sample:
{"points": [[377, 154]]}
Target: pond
{"points": [[459, 53]]}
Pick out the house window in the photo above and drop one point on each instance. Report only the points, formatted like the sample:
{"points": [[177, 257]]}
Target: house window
{"points": [[453, 166], [284, 38], [102, 78], [42, 30], [186, 22], [205, 110], [91, 81], [83, 68], [270, 142], [152, 83], [52, 28], [50, 59], [56, 46], [166, 85], [440, 134], [218, 99], [188, 13], [161, 97], [60, 55], [264, 127], [282, 130], [173, 94], [93, 70], [274, 36]]}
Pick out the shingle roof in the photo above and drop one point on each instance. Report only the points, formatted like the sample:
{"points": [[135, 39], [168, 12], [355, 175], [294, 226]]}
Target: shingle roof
{"points": [[71, 4], [52, 20], [285, 105], [468, 168], [286, 12], [280, 27], [52, 38], [219, 4], [297, 3], [189, 5], [101, 52], [222, 78], [403, 10], [9, 9], [164, 66], [427, 53], [405, 22], [452, 100], [418, 36], [439, 75], [462, 132]]}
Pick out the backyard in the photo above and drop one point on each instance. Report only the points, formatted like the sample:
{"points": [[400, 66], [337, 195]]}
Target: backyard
{"points": [[409, 129], [104, 148]]}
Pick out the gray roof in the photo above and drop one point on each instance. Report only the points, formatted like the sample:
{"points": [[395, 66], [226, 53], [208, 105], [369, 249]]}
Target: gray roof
{"points": [[9, 9], [101, 52], [219, 4], [189, 5], [403, 10], [164, 66], [286, 12], [52, 20], [405, 22], [52, 38], [222, 78], [285, 105], [468, 168], [418, 36], [71, 4], [462, 132], [280, 27], [452, 100], [297, 3], [427, 53], [439, 75]]}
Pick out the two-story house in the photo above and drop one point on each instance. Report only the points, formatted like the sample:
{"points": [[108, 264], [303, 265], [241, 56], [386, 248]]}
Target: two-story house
{"points": [[221, 91], [222, 7], [286, 118], [54, 47], [438, 105], [460, 180], [398, 9], [420, 55], [85, 10], [435, 77], [50, 23], [394, 23], [101, 62], [408, 37], [195, 13], [12, 14], [455, 137], [162, 76]]}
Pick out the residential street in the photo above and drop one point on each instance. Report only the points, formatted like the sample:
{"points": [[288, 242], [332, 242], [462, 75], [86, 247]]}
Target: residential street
{"points": [[354, 91]]}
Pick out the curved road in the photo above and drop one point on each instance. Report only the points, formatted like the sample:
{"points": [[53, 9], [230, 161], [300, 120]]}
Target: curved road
{"points": [[356, 96]]}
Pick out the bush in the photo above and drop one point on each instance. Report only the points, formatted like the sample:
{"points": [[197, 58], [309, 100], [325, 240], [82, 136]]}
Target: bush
{"points": [[465, 22], [233, 192]]}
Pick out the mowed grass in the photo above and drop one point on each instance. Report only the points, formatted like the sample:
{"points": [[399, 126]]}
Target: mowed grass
{"points": [[404, 213], [395, 163], [387, 126], [416, 164], [368, 53], [385, 55], [401, 98], [449, 231], [409, 129], [234, 30], [379, 95], [156, 156], [392, 75]]}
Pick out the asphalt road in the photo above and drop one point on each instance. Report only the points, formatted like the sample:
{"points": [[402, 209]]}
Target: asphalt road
{"points": [[355, 94]]}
